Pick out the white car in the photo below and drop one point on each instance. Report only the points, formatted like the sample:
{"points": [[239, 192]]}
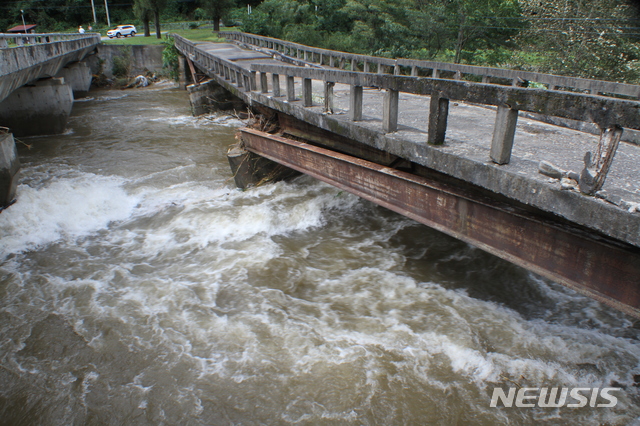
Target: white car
{"points": [[122, 31]]}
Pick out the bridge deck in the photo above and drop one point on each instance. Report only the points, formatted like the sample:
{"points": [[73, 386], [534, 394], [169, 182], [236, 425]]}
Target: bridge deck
{"points": [[465, 153], [467, 182]]}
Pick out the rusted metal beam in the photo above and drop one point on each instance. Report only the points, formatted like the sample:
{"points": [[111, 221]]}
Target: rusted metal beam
{"points": [[605, 270]]}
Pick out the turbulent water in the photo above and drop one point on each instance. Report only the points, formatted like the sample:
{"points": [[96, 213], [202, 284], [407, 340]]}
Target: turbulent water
{"points": [[138, 286]]}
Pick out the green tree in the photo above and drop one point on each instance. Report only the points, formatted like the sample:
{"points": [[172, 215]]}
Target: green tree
{"points": [[154, 7], [593, 39], [466, 24], [217, 9], [144, 14]]}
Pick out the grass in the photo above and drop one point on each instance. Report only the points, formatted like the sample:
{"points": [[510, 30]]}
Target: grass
{"points": [[193, 35]]}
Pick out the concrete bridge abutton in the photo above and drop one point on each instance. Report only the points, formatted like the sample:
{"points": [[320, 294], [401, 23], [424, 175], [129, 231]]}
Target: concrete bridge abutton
{"points": [[466, 150], [39, 76]]}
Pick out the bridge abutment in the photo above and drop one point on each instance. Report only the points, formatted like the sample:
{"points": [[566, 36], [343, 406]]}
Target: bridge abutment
{"points": [[9, 167], [78, 76], [39, 109]]}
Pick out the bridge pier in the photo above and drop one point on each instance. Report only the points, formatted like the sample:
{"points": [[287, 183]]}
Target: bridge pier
{"points": [[39, 109], [78, 76], [210, 96], [251, 169], [9, 167]]}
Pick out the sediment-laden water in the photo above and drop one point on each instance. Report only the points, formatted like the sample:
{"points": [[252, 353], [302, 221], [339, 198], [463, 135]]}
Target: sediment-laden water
{"points": [[138, 286]]}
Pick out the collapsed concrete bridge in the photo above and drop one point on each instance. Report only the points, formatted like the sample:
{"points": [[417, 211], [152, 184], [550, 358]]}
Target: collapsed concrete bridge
{"points": [[468, 154]]}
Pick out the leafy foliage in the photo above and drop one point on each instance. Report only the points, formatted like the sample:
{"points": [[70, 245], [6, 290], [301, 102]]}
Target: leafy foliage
{"points": [[216, 10], [170, 59], [590, 38], [122, 63], [594, 38]]}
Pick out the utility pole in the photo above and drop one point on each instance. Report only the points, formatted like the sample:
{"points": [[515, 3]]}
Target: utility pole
{"points": [[93, 9], [24, 26], [106, 6]]}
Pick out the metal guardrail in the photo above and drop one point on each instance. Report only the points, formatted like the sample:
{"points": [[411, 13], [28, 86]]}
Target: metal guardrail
{"points": [[417, 68], [27, 39]]}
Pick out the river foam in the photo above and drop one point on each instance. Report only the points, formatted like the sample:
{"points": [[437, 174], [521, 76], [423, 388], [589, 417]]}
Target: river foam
{"points": [[161, 294], [67, 208]]}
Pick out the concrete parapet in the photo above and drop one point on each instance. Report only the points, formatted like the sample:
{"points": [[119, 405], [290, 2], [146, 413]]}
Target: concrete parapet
{"points": [[9, 167], [210, 96], [78, 76], [40, 109]]}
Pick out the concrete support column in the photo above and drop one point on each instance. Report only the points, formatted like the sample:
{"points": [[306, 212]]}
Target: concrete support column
{"points": [[9, 167], [78, 76], [40, 109]]}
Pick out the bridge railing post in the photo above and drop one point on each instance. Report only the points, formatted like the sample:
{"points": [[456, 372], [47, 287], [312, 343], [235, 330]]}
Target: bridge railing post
{"points": [[503, 134], [264, 83], [390, 111], [438, 114], [355, 103], [291, 89], [307, 92], [275, 83], [252, 82], [328, 96]]}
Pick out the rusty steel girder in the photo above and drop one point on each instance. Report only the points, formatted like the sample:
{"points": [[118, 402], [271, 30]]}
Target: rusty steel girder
{"points": [[605, 270]]}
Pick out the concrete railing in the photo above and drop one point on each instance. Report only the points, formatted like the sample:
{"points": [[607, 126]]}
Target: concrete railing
{"points": [[240, 77], [22, 64], [13, 40], [415, 68], [607, 113]]}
